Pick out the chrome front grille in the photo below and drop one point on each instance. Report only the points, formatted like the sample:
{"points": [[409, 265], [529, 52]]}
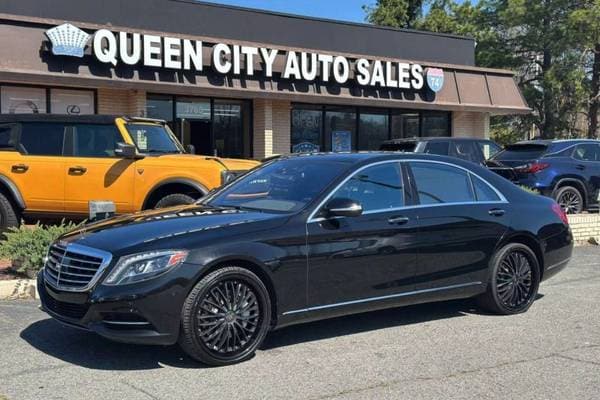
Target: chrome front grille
{"points": [[74, 267]]}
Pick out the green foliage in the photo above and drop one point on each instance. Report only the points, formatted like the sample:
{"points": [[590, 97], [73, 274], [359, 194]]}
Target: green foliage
{"points": [[543, 42], [26, 246], [529, 190]]}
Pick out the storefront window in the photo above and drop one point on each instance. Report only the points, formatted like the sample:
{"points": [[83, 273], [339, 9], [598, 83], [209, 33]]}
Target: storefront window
{"points": [[229, 130], [307, 124], [405, 124], [160, 107], [373, 129], [436, 124], [23, 100], [72, 102], [192, 108], [340, 129]]}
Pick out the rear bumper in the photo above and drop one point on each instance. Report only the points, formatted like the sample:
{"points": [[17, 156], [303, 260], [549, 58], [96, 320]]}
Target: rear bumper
{"points": [[150, 316]]}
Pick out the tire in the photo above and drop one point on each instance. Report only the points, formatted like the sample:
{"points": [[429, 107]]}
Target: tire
{"points": [[235, 334], [570, 199], [501, 290], [175, 199], [9, 216]]}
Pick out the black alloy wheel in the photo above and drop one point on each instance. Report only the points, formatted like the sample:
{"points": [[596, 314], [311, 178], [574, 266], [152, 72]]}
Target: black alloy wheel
{"points": [[514, 280], [570, 200], [226, 317]]}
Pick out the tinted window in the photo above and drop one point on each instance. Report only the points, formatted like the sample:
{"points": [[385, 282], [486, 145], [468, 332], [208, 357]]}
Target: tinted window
{"points": [[7, 136], [42, 139], [467, 150], [520, 152], [285, 185], [375, 188], [488, 148], [483, 191], [96, 140], [439, 148], [587, 152], [439, 183]]}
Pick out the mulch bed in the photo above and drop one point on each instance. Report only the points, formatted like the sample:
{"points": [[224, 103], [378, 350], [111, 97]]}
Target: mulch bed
{"points": [[6, 273]]}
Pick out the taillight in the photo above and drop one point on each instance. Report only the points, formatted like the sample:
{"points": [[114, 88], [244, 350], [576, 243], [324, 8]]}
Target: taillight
{"points": [[532, 168], [561, 213]]}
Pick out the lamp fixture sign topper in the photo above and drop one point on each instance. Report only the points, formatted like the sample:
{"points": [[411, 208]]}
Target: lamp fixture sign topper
{"points": [[186, 54]]}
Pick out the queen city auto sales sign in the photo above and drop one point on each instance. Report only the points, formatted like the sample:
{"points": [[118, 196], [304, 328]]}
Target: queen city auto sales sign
{"points": [[184, 54]]}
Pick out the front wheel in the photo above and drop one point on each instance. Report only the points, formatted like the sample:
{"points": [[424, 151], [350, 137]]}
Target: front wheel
{"points": [[225, 317], [514, 280]]}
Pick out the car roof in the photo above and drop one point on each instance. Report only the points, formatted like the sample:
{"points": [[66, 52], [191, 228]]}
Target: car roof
{"points": [[368, 157], [548, 142], [71, 119], [431, 138]]}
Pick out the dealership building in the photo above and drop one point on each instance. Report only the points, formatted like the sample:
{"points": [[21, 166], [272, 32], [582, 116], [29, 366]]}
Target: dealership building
{"points": [[246, 83]]}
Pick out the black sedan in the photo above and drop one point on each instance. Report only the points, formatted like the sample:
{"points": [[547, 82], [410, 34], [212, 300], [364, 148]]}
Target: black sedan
{"points": [[303, 238]]}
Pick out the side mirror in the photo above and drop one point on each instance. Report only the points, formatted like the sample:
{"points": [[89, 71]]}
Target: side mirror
{"points": [[126, 150], [190, 149], [342, 207]]}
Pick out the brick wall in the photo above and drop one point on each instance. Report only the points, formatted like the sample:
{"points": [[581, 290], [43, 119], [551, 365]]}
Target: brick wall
{"points": [[121, 102], [585, 226], [471, 124], [271, 128]]}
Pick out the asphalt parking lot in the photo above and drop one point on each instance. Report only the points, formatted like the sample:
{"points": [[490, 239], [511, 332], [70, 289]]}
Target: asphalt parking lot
{"points": [[443, 350]]}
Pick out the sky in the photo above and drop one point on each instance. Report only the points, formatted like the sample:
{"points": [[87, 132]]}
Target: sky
{"points": [[345, 10]]}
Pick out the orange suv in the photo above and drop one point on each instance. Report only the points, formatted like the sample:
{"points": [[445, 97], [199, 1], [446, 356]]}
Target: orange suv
{"points": [[53, 165]]}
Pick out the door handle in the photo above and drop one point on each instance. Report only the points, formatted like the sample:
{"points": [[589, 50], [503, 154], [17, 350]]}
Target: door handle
{"points": [[19, 168], [398, 220], [496, 212], [77, 170], [580, 167]]}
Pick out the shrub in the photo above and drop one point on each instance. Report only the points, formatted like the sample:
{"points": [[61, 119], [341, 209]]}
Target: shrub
{"points": [[530, 190], [26, 246]]}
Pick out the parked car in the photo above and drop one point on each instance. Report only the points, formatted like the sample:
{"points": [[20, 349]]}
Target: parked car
{"points": [[470, 149], [52, 165], [303, 238], [566, 170]]}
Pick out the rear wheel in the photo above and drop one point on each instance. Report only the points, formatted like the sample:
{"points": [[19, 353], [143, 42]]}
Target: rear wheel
{"points": [[225, 317], [9, 216], [175, 199], [514, 280], [570, 199]]}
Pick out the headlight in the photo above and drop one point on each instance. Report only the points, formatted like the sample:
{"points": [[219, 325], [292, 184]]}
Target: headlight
{"points": [[144, 266], [229, 175]]}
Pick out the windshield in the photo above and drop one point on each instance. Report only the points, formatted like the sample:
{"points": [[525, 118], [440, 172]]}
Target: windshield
{"points": [[153, 138], [518, 152], [408, 147], [285, 185]]}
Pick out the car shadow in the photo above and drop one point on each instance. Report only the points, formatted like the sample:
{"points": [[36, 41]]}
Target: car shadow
{"points": [[92, 351]]}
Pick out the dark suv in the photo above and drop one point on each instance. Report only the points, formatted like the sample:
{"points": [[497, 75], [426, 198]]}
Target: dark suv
{"points": [[566, 170], [469, 149]]}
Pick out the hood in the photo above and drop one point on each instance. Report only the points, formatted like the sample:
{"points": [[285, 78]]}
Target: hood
{"points": [[170, 226], [193, 159]]}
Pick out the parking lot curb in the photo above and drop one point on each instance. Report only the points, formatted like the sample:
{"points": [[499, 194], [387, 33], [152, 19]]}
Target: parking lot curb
{"points": [[18, 289]]}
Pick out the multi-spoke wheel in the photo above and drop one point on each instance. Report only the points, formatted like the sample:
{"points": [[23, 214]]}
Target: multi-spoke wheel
{"points": [[569, 199], [514, 280], [226, 317]]}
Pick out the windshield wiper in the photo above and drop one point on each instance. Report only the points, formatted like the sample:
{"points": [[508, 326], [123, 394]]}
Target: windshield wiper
{"points": [[239, 208], [155, 151]]}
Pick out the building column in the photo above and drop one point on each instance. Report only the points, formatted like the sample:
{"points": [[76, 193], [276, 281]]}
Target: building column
{"points": [[122, 102], [271, 128], [471, 124]]}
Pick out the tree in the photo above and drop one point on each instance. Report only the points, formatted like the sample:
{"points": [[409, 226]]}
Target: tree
{"points": [[395, 13], [585, 24]]}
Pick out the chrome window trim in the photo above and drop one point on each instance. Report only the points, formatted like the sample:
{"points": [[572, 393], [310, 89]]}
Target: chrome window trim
{"points": [[87, 251], [502, 200], [390, 296]]}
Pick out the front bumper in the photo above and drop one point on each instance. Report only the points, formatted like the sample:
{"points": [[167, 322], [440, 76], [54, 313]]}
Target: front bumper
{"points": [[144, 313]]}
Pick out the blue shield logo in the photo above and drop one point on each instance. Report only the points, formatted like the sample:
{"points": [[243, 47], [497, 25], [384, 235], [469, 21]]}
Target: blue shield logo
{"points": [[435, 79]]}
